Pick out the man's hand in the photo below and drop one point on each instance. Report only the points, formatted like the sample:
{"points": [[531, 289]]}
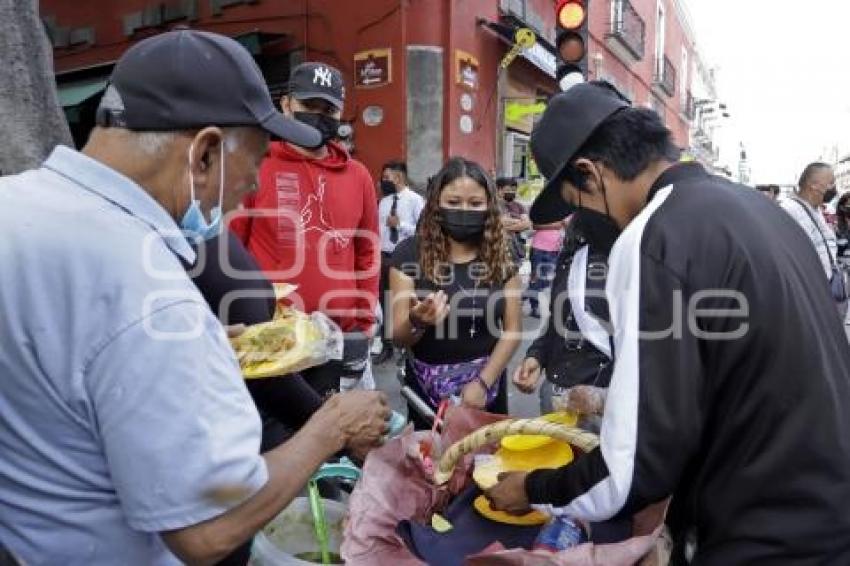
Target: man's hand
{"points": [[357, 419], [433, 310], [527, 375], [473, 395], [393, 221], [509, 494]]}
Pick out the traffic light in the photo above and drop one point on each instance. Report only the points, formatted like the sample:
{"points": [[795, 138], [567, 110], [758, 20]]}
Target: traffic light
{"points": [[571, 40]]}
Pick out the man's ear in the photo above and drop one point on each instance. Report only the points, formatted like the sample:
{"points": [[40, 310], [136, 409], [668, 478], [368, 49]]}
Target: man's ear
{"points": [[204, 156], [591, 174], [286, 105]]}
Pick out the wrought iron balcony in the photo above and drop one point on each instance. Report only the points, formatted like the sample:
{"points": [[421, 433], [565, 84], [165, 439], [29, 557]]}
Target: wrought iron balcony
{"points": [[665, 76], [628, 28]]}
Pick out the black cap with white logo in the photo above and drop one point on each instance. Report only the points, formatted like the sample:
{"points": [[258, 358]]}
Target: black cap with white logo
{"points": [[317, 80], [187, 79]]}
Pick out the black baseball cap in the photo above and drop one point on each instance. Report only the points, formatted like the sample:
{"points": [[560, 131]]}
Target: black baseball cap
{"points": [[569, 120], [317, 80], [186, 79]]}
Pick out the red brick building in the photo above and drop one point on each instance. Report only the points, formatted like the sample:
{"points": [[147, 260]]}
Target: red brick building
{"points": [[423, 76]]}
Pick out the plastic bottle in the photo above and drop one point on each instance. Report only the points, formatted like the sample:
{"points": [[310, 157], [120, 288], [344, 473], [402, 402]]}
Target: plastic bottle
{"points": [[559, 534]]}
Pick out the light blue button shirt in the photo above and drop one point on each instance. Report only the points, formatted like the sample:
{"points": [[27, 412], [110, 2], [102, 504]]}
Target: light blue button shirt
{"points": [[122, 409]]}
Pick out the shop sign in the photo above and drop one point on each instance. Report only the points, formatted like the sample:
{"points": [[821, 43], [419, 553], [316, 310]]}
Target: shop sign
{"points": [[372, 68], [516, 111], [467, 69], [541, 58]]}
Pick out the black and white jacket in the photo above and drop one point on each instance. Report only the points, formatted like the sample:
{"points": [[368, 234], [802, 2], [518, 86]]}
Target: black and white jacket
{"points": [[731, 382]]}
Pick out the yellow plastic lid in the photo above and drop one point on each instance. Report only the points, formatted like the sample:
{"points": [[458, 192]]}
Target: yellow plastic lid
{"points": [[520, 442]]}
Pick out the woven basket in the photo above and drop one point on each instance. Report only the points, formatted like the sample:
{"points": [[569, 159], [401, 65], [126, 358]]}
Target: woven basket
{"points": [[484, 436]]}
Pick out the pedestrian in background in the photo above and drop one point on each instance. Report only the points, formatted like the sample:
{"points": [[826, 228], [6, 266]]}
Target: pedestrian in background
{"points": [[398, 214], [842, 235], [545, 247], [842, 226], [514, 215], [574, 348], [770, 191], [314, 223], [456, 294], [816, 187]]}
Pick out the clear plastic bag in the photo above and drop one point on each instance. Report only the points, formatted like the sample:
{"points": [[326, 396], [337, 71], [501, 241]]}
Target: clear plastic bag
{"points": [[583, 399], [317, 340]]}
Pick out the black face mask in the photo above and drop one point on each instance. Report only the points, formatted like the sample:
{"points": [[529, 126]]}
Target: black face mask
{"points": [[327, 125], [388, 187], [598, 229], [829, 195], [509, 197], [463, 225]]}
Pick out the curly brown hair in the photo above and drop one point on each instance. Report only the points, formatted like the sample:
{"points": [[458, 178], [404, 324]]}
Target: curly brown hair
{"points": [[493, 249]]}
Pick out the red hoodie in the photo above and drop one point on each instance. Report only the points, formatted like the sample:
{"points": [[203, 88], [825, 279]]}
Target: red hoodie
{"points": [[314, 222]]}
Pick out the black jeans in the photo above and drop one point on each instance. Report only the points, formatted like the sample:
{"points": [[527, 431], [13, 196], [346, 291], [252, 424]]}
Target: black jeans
{"points": [[384, 299], [325, 379]]}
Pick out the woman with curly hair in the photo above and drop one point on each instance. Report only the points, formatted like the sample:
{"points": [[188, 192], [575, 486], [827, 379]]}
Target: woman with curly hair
{"points": [[455, 294]]}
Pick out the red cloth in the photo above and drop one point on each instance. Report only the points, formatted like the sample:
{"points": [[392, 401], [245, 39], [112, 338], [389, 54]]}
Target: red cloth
{"points": [[314, 223], [394, 486]]}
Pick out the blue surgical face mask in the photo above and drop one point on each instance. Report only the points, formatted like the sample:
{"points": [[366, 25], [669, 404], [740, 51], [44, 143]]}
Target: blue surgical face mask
{"points": [[195, 227]]}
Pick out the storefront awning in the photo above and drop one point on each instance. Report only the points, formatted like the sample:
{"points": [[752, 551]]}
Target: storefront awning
{"points": [[73, 94], [541, 54]]}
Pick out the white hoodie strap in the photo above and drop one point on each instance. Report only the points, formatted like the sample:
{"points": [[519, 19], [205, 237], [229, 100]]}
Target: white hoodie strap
{"points": [[589, 326]]}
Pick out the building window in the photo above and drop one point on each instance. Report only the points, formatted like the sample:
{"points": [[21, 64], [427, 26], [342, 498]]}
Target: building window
{"points": [[628, 27], [660, 37]]}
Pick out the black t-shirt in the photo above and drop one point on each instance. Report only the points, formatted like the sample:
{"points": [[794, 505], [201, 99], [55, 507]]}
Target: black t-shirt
{"points": [[474, 323], [289, 399], [243, 300]]}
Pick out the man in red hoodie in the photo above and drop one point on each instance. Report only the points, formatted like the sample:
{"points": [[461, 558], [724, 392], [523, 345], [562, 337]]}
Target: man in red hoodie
{"points": [[314, 222]]}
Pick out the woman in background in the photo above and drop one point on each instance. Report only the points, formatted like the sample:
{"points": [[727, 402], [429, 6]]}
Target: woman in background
{"points": [[456, 294]]}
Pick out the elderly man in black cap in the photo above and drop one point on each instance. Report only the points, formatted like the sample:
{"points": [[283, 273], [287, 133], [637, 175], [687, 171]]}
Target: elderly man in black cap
{"points": [[732, 373], [126, 432]]}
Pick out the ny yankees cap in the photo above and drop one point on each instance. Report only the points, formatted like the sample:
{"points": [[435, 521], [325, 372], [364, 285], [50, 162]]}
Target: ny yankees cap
{"points": [[185, 79], [317, 80], [569, 120]]}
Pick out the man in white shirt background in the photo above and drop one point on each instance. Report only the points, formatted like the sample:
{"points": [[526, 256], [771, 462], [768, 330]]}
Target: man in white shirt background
{"points": [[398, 213], [816, 187]]}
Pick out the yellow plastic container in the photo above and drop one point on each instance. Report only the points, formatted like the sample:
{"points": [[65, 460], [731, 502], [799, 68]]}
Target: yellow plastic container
{"points": [[525, 453], [520, 442]]}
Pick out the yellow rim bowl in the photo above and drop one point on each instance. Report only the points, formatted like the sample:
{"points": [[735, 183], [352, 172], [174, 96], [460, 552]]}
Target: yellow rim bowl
{"points": [[549, 456], [520, 442], [482, 505]]}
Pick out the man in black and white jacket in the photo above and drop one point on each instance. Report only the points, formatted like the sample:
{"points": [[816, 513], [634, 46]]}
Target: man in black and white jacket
{"points": [[731, 375]]}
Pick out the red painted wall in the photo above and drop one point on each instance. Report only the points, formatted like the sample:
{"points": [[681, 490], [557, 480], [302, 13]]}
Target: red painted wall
{"points": [[466, 35], [333, 31], [638, 77]]}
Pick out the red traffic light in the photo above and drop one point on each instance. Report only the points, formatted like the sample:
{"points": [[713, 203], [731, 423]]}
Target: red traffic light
{"points": [[570, 14]]}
